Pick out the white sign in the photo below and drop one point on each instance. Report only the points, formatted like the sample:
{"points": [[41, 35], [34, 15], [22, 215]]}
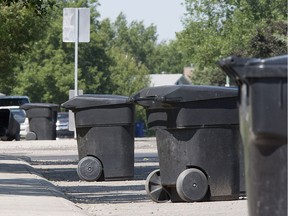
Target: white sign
{"points": [[76, 28], [76, 22]]}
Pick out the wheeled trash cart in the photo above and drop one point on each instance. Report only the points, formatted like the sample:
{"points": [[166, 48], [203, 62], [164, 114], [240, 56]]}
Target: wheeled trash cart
{"points": [[42, 120], [105, 136], [198, 142], [263, 123]]}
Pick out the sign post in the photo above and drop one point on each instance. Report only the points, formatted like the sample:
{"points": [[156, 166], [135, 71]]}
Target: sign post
{"points": [[76, 28], [76, 52]]}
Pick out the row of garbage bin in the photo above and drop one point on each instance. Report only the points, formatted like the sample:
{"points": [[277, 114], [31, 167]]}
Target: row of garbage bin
{"points": [[42, 122], [198, 138]]}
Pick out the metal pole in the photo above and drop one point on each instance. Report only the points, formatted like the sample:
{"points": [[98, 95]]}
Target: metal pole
{"points": [[76, 58], [76, 50]]}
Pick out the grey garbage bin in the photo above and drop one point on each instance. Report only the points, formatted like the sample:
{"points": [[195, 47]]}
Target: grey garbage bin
{"points": [[9, 127], [263, 123], [198, 141], [105, 136], [42, 120]]}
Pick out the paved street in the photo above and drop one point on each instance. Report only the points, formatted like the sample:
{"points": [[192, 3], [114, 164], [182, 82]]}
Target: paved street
{"points": [[55, 163]]}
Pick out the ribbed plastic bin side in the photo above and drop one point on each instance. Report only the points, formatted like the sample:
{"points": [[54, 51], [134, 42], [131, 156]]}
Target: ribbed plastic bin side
{"points": [[263, 120]]}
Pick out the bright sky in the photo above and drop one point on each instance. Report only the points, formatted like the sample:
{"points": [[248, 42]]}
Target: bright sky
{"points": [[165, 14]]}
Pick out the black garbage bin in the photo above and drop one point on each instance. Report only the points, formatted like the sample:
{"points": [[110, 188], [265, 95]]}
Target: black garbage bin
{"points": [[42, 120], [9, 127], [105, 136], [263, 126], [198, 141]]}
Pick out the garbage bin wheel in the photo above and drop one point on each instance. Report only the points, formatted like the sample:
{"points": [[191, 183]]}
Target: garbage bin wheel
{"points": [[155, 189], [192, 185], [31, 136], [89, 169]]}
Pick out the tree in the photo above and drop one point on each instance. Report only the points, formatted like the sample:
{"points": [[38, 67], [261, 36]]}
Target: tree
{"points": [[47, 73], [39, 7], [127, 76], [269, 40], [19, 27], [168, 57], [217, 29], [136, 39], [104, 66]]}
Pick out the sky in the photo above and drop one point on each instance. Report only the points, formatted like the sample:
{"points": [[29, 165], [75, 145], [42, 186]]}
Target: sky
{"points": [[164, 14]]}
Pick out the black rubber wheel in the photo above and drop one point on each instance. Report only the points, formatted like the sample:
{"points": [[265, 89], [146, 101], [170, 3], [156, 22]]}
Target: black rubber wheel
{"points": [[89, 169], [31, 136], [192, 185], [154, 188]]}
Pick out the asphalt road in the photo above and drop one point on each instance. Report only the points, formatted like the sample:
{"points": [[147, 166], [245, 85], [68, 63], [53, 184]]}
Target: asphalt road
{"points": [[57, 161]]}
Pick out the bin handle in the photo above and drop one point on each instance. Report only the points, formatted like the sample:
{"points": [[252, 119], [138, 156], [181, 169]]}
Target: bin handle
{"points": [[225, 65], [171, 100], [158, 98], [145, 99]]}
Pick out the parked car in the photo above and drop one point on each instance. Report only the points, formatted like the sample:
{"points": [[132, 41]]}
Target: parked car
{"points": [[13, 103], [62, 125], [20, 116]]}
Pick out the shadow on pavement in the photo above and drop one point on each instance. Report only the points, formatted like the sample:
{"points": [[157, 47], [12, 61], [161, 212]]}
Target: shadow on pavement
{"points": [[98, 192], [106, 194], [28, 187], [58, 171]]}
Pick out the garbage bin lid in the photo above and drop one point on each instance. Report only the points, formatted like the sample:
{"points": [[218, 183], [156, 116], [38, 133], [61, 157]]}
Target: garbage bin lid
{"points": [[242, 68], [184, 93], [28, 106], [95, 100]]}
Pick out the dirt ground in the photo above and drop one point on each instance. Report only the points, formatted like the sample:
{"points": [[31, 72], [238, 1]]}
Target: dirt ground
{"points": [[57, 162]]}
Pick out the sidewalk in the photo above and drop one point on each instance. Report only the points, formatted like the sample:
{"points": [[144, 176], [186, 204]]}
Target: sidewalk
{"points": [[24, 192]]}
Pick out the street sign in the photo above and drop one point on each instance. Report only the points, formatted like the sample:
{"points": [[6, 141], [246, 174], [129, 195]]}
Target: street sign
{"points": [[76, 21], [76, 28]]}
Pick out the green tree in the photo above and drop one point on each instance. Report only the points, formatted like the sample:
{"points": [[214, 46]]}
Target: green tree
{"points": [[22, 22], [216, 29], [50, 65], [168, 57], [39, 7], [104, 65], [127, 76], [136, 39], [141, 42]]}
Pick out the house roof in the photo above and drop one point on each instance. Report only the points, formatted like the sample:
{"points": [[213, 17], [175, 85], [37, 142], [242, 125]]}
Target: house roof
{"points": [[168, 79], [164, 79]]}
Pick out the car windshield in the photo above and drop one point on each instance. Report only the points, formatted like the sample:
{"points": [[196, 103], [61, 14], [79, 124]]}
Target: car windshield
{"points": [[19, 114], [13, 101], [61, 116]]}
